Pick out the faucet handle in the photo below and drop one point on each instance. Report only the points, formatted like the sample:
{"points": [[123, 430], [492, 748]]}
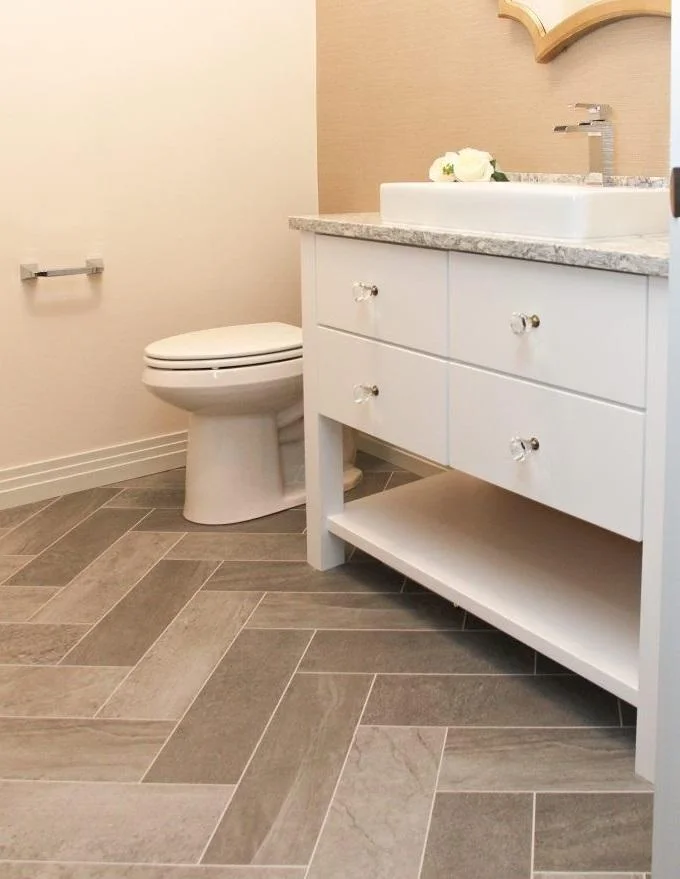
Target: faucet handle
{"points": [[600, 111]]}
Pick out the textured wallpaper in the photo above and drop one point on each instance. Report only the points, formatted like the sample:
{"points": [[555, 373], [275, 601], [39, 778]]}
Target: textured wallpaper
{"points": [[402, 81]]}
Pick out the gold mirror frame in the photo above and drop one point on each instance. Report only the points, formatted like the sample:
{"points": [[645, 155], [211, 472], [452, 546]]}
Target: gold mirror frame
{"points": [[548, 44]]}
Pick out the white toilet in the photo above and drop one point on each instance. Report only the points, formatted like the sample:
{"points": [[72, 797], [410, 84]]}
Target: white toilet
{"points": [[242, 386]]}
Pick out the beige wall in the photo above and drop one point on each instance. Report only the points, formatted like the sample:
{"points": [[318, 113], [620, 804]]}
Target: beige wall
{"points": [[401, 82], [171, 138]]}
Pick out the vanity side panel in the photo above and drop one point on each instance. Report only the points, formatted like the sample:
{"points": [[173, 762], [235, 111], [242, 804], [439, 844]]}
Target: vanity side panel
{"points": [[652, 547], [323, 437]]}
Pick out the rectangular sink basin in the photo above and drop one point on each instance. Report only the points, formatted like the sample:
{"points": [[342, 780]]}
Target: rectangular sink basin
{"points": [[534, 210]]}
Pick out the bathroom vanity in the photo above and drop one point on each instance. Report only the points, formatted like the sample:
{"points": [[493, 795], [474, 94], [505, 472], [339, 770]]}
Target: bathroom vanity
{"points": [[534, 373]]}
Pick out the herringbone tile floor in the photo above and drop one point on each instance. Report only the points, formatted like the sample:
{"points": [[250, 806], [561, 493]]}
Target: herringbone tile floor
{"points": [[183, 701]]}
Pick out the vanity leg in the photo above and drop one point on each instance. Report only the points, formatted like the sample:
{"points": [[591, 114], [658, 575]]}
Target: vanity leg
{"points": [[323, 474], [652, 546]]}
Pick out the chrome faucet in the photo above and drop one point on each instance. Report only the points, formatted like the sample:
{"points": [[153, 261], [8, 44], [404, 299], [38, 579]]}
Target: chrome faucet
{"points": [[600, 131]]}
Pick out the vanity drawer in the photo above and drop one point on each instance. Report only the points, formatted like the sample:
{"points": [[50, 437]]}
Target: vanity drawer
{"points": [[589, 461], [410, 407], [410, 307], [591, 336]]}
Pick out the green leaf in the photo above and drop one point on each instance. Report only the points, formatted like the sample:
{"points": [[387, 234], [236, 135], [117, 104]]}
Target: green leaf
{"points": [[499, 176]]}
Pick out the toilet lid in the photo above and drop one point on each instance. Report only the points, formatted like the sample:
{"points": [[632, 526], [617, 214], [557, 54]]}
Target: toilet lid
{"points": [[252, 342]]}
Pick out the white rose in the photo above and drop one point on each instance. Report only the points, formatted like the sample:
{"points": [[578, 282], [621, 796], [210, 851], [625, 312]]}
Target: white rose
{"points": [[437, 174], [473, 166]]}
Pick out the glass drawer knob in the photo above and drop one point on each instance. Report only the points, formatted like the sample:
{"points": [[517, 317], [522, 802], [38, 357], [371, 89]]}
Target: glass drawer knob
{"points": [[520, 448], [363, 393], [521, 323], [362, 291]]}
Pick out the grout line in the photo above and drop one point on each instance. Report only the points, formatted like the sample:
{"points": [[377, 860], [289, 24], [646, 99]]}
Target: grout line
{"points": [[533, 835], [86, 568], [339, 780], [432, 805], [122, 597], [486, 726], [150, 648], [32, 515], [29, 559], [255, 750], [202, 687], [68, 531], [213, 869]]}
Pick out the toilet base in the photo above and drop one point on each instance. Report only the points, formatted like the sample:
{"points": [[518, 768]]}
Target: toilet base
{"points": [[234, 471]]}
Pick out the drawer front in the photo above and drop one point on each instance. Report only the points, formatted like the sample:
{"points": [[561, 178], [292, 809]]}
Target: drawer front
{"points": [[410, 407], [410, 307], [591, 335], [589, 460]]}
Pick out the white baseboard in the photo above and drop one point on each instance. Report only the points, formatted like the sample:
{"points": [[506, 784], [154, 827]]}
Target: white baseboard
{"points": [[395, 455], [57, 476]]}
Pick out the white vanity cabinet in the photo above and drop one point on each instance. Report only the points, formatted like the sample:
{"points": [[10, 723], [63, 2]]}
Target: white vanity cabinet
{"points": [[540, 388]]}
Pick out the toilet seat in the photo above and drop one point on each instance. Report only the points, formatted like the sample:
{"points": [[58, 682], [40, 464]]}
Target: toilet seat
{"points": [[226, 347]]}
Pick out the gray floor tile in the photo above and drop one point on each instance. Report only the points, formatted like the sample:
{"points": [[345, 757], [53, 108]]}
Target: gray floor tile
{"points": [[14, 516], [9, 564], [479, 836], [493, 700], [164, 682], [19, 603], [368, 463], [242, 547], [540, 759], [348, 611], [476, 624], [301, 577], [127, 631], [65, 559], [56, 691], [149, 498], [108, 822], [217, 736], [46, 870], [398, 479], [547, 666], [79, 750], [628, 714], [166, 479], [279, 806], [32, 644], [54, 521], [591, 832], [371, 483], [287, 522], [579, 876], [378, 819], [418, 653], [94, 592]]}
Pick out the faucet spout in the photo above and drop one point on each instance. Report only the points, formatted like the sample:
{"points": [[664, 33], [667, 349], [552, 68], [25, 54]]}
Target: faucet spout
{"points": [[600, 132]]}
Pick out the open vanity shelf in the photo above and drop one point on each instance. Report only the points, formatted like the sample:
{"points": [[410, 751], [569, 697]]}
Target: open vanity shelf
{"points": [[566, 588]]}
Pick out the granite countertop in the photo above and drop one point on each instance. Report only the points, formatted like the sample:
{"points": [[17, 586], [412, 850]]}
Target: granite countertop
{"points": [[637, 254]]}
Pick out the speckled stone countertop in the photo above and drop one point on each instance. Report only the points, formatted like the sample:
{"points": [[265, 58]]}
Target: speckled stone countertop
{"points": [[638, 255]]}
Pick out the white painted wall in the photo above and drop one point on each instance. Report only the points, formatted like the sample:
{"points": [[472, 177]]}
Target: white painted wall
{"points": [[173, 139]]}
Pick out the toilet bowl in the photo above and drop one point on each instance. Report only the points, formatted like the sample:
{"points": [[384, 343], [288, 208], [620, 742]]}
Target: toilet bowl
{"points": [[242, 388]]}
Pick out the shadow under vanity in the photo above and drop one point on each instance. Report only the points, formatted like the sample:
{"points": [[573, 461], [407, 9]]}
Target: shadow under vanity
{"points": [[535, 372]]}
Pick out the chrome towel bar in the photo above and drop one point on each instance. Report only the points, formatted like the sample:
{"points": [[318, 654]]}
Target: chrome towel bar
{"points": [[31, 271]]}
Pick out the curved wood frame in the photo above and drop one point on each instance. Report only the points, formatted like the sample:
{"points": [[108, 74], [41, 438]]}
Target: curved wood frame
{"points": [[548, 44]]}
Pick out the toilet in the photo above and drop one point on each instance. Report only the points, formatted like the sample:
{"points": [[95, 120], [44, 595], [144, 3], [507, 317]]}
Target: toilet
{"points": [[242, 388]]}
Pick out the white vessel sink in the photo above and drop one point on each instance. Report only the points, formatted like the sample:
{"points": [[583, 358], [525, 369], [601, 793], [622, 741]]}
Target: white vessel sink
{"points": [[535, 210]]}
